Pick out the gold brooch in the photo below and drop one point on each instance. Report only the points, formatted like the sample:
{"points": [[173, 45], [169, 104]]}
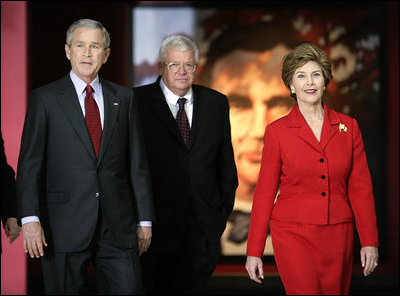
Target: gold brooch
{"points": [[342, 127]]}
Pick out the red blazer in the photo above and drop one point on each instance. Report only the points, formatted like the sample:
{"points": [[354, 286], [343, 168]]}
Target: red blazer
{"points": [[324, 182]]}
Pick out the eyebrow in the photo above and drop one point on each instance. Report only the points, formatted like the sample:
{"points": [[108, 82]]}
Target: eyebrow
{"points": [[97, 43], [305, 71], [240, 100], [192, 63], [280, 101], [275, 101]]}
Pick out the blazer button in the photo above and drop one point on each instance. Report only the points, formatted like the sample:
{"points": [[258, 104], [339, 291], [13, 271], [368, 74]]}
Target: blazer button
{"points": [[323, 177], [321, 160], [97, 194], [323, 193]]}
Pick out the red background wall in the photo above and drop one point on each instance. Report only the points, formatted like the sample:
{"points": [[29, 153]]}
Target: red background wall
{"points": [[14, 88]]}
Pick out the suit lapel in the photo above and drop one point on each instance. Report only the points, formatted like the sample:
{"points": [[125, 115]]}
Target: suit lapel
{"points": [[161, 108], [111, 111], [330, 127], [307, 135], [197, 111], [304, 130], [69, 102]]}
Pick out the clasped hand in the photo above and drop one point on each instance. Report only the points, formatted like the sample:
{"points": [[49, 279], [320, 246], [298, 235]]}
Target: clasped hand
{"points": [[12, 229]]}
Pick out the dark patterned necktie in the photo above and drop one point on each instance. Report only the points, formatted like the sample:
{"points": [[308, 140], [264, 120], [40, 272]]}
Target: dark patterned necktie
{"points": [[182, 121], [92, 118]]}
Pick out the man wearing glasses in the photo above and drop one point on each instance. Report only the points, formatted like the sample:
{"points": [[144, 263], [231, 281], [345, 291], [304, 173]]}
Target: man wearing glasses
{"points": [[188, 140]]}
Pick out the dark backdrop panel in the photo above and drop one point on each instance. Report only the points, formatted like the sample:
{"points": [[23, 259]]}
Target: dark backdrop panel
{"points": [[47, 26]]}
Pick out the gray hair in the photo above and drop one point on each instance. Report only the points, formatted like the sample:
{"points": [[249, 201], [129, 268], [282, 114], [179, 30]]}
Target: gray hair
{"points": [[182, 42], [88, 24]]}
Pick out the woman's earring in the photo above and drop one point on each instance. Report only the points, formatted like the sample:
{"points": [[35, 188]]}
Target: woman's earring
{"points": [[293, 91]]}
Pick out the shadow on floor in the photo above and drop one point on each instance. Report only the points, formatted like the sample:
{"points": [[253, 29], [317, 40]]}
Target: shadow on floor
{"points": [[241, 285]]}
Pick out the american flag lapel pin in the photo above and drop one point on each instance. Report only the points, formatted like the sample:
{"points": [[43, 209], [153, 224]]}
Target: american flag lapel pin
{"points": [[342, 127]]}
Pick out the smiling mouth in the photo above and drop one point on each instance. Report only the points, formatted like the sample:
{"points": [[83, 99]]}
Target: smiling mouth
{"points": [[310, 91]]}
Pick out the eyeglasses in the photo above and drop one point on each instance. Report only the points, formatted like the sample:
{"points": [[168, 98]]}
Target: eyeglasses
{"points": [[174, 67]]}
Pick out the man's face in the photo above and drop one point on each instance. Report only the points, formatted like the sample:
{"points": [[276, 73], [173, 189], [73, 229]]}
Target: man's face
{"points": [[257, 97], [87, 53], [178, 79]]}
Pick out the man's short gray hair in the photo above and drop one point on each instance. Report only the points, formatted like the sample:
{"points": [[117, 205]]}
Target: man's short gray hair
{"points": [[182, 42], [88, 24]]}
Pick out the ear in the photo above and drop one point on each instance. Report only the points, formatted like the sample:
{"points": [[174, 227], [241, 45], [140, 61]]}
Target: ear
{"points": [[67, 52], [160, 68], [106, 55]]}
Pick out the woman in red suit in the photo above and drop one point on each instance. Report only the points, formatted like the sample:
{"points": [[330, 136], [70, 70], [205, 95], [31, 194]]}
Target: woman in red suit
{"points": [[316, 157]]}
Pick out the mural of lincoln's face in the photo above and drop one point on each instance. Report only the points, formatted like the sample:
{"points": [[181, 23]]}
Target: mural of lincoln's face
{"points": [[256, 97]]}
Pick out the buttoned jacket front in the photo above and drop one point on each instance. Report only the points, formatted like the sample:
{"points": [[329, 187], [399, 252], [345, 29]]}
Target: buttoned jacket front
{"points": [[326, 182]]}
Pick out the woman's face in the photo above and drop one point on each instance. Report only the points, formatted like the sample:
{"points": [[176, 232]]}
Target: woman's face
{"points": [[257, 97], [308, 81]]}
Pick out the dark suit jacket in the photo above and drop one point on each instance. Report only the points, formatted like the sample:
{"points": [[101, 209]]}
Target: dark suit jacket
{"points": [[59, 178], [198, 181], [8, 190]]}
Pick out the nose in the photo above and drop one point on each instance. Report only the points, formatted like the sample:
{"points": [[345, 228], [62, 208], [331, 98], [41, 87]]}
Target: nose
{"points": [[310, 80], [259, 121], [87, 51], [181, 69]]}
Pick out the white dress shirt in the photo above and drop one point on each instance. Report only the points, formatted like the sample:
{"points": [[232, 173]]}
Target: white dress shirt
{"points": [[172, 100]]}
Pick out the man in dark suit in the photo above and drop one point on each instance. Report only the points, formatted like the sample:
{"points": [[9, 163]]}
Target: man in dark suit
{"points": [[83, 182], [8, 197], [188, 140]]}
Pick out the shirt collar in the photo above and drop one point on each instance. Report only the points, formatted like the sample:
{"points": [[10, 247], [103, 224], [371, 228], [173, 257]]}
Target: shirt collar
{"points": [[173, 98], [80, 85]]}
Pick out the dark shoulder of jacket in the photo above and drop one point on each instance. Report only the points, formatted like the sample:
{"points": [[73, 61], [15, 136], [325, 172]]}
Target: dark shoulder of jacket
{"points": [[143, 92], [114, 87], [143, 88], [60, 84], [209, 94], [201, 89]]}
